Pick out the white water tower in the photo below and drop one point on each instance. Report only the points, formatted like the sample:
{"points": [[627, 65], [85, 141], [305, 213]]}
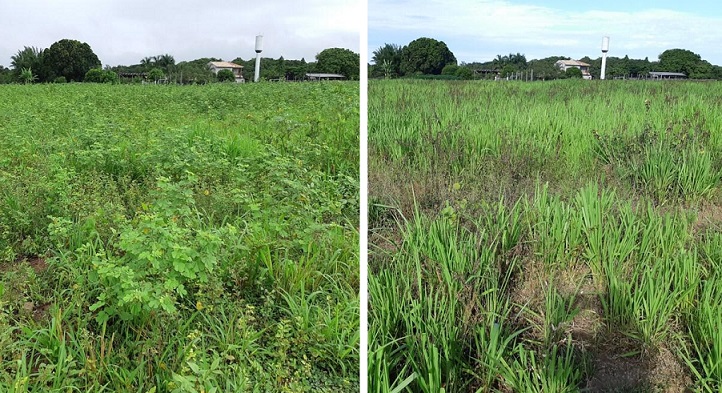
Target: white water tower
{"points": [[259, 49], [605, 49]]}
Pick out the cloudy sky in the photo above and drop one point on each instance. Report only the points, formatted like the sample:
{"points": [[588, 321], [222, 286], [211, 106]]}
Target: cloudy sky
{"points": [[125, 31], [478, 30]]}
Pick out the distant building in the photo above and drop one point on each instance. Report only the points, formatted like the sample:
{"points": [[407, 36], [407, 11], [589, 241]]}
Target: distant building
{"points": [[564, 65], [487, 74], [133, 75], [237, 70], [667, 75], [319, 77]]}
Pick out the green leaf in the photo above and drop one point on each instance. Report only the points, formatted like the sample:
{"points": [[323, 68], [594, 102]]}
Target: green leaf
{"points": [[166, 302], [102, 317], [194, 367], [181, 290], [171, 284], [126, 316], [96, 305]]}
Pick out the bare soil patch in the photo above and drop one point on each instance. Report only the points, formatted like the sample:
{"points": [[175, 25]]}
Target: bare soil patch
{"points": [[617, 363], [709, 216], [38, 264]]}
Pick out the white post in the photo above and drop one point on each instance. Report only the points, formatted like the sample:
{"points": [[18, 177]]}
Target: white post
{"points": [[259, 49], [257, 73], [605, 49]]}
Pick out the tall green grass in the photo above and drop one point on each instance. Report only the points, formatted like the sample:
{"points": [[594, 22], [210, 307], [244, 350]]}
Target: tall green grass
{"points": [[561, 130], [448, 287], [547, 226]]}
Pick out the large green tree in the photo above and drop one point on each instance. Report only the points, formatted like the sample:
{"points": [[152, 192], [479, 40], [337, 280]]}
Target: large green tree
{"points": [[426, 56], [69, 58], [339, 61], [688, 62]]}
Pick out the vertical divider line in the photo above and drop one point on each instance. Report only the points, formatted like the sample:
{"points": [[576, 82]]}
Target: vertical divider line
{"points": [[363, 190]]}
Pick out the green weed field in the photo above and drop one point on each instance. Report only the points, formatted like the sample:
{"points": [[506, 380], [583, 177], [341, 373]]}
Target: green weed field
{"points": [[545, 237], [179, 239]]}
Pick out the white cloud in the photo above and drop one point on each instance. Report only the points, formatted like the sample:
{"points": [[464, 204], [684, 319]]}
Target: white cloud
{"points": [[479, 30], [123, 32]]}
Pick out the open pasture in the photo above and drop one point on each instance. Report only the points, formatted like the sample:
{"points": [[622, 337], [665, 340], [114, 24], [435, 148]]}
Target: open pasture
{"points": [[545, 237], [179, 238]]}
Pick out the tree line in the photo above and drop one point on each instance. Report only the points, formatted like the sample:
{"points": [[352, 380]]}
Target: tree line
{"points": [[74, 61], [427, 57]]}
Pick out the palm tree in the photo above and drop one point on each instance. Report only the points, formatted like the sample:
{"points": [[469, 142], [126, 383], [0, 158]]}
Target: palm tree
{"points": [[498, 62], [518, 59], [390, 55], [28, 58], [147, 62], [26, 75], [386, 68], [166, 62]]}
